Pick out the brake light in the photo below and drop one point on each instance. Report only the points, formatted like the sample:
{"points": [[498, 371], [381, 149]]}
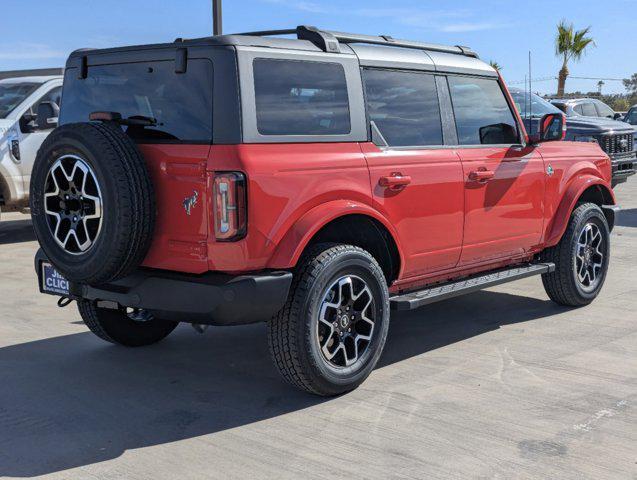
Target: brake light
{"points": [[229, 197]]}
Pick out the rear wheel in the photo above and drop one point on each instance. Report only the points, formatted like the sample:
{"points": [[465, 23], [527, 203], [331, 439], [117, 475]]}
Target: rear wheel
{"points": [[131, 328], [331, 332], [581, 258]]}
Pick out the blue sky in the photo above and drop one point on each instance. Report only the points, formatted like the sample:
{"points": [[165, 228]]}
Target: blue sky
{"points": [[40, 33]]}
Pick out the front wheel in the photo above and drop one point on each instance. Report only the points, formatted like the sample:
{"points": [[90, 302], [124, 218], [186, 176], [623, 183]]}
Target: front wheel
{"points": [[330, 334], [581, 258]]}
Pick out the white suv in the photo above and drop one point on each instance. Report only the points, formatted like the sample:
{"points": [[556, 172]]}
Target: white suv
{"points": [[22, 131]]}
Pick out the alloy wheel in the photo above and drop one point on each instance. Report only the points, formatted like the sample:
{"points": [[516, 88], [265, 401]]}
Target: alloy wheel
{"points": [[589, 257], [346, 321], [73, 204]]}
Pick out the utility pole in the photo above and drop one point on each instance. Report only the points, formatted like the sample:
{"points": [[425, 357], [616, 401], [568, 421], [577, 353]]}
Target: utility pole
{"points": [[217, 25]]}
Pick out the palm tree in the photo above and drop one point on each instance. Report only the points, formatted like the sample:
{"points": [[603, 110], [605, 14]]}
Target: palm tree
{"points": [[570, 44], [495, 65]]}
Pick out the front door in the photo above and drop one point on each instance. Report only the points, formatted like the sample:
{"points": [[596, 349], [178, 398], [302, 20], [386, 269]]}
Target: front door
{"points": [[504, 181], [415, 183], [31, 138]]}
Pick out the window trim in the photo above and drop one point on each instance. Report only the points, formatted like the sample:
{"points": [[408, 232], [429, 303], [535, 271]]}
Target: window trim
{"points": [[440, 108], [250, 133], [520, 143]]}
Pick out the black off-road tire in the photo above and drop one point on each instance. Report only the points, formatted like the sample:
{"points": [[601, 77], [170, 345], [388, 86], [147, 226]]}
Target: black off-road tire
{"points": [[292, 332], [128, 218], [562, 285], [115, 326]]}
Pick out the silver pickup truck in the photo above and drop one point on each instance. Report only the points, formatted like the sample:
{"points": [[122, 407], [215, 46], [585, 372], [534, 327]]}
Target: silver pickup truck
{"points": [[29, 102]]}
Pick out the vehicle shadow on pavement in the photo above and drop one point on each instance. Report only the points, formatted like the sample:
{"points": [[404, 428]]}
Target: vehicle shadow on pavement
{"points": [[627, 218], [72, 401], [16, 231]]}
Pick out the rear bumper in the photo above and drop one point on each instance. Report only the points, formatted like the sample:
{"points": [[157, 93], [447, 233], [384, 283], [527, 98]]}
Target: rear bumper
{"points": [[211, 298]]}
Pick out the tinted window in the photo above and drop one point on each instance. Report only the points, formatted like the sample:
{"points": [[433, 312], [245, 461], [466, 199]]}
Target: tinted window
{"points": [[578, 109], [482, 113], [13, 94], [404, 106], [536, 108], [631, 116], [588, 110], [300, 98], [604, 110], [179, 104]]}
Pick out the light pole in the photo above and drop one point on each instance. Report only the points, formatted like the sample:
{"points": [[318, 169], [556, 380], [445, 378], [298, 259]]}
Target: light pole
{"points": [[217, 26]]}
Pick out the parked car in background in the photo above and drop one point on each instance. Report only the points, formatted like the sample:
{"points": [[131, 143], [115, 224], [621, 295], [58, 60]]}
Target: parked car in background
{"points": [[29, 108], [616, 138], [586, 107]]}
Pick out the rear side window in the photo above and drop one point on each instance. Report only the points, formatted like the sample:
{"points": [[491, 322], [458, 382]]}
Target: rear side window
{"points": [[483, 116], [588, 110], [404, 106], [179, 104], [300, 98]]}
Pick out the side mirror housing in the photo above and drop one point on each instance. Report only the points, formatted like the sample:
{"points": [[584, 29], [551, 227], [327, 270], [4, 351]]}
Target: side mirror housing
{"points": [[48, 113], [552, 128]]}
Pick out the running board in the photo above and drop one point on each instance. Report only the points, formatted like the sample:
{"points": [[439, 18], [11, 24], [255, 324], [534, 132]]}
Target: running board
{"points": [[412, 300]]}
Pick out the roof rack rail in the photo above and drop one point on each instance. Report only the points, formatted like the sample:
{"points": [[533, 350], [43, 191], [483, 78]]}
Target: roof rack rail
{"points": [[329, 40]]}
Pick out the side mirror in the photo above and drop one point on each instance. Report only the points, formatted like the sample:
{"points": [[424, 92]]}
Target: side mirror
{"points": [[552, 128], [498, 133], [48, 113]]}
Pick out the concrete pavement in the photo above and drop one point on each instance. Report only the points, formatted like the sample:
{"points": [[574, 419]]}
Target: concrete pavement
{"points": [[498, 384]]}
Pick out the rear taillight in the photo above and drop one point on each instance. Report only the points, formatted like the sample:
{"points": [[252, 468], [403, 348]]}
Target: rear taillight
{"points": [[229, 197]]}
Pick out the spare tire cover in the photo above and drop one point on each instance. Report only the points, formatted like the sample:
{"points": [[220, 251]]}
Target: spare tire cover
{"points": [[92, 202]]}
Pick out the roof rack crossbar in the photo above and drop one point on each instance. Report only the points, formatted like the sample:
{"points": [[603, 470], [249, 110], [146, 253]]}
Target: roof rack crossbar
{"points": [[328, 40], [393, 42], [269, 33]]}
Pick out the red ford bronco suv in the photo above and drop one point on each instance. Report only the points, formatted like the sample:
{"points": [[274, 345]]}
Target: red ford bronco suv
{"points": [[315, 183]]}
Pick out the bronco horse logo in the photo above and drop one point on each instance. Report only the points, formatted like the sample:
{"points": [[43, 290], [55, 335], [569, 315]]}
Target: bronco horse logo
{"points": [[190, 202]]}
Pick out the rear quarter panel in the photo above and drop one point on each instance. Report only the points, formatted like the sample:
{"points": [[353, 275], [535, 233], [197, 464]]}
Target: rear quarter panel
{"points": [[285, 181]]}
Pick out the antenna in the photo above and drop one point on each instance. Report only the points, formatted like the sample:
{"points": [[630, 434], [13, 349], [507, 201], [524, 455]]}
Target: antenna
{"points": [[217, 24], [530, 99], [526, 101]]}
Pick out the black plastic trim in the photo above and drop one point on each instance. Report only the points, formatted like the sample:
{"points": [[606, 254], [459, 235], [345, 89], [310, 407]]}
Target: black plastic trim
{"points": [[211, 298], [474, 283]]}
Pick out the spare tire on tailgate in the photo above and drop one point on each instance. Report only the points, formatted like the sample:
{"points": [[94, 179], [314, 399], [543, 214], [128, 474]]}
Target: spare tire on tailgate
{"points": [[92, 202]]}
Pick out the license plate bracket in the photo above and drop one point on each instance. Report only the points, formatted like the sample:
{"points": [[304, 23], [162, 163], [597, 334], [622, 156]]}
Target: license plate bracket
{"points": [[52, 282]]}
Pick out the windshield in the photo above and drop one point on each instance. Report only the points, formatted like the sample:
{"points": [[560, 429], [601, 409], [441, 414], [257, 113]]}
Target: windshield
{"points": [[538, 107], [13, 94]]}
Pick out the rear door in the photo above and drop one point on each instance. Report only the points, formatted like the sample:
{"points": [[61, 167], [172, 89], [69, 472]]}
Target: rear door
{"points": [[504, 180], [176, 144], [416, 182]]}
